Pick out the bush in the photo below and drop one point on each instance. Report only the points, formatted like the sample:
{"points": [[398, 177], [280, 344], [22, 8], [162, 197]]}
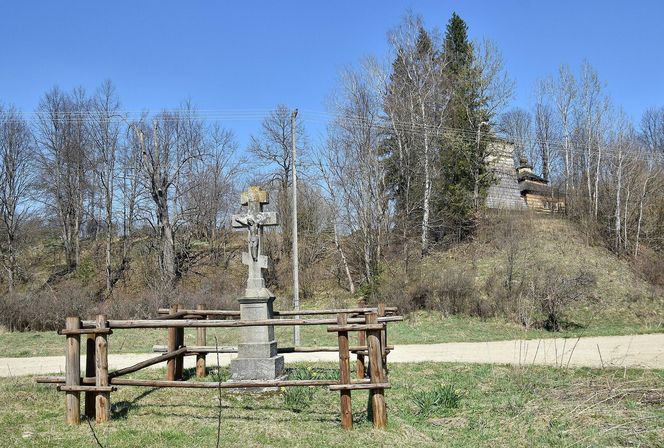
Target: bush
{"points": [[47, 309], [439, 401], [298, 399], [43, 310], [448, 290], [554, 291], [452, 291]]}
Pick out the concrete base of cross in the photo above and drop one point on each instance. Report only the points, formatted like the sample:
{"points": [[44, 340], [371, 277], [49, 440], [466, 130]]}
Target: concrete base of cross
{"points": [[257, 357]]}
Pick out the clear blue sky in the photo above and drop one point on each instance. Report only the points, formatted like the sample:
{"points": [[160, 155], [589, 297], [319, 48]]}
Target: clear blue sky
{"points": [[254, 55]]}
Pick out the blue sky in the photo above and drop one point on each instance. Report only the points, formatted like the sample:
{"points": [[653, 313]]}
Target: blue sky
{"points": [[248, 55]]}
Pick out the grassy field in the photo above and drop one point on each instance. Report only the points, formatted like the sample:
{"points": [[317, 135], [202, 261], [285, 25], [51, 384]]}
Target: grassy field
{"points": [[418, 328], [498, 406]]}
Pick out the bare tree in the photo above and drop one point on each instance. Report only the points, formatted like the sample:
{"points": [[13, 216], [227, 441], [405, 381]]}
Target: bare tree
{"points": [[273, 149], [62, 137], [352, 157], [212, 184], [516, 125], [652, 130], [545, 136], [104, 137], [591, 109], [130, 193], [563, 93], [172, 148], [335, 205], [16, 151]]}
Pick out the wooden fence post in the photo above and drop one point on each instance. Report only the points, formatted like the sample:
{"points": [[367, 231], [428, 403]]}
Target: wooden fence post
{"points": [[383, 339], [344, 374], [360, 368], [90, 372], [201, 341], [171, 347], [376, 405], [73, 371], [179, 343], [103, 399]]}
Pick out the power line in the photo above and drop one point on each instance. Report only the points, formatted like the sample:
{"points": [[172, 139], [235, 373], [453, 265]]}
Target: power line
{"points": [[380, 122]]}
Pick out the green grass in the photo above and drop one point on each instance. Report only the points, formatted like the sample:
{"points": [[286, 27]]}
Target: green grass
{"points": [[499, 406], [418, 328]]}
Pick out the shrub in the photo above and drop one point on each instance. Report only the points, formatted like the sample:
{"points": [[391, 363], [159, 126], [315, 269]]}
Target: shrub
{"points": [[43, 310], [450, 290], [298, 399], [554, 291], [439, 401]]}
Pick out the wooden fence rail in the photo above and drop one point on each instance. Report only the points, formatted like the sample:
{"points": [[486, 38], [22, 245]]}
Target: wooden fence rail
{"points": [[98, 383], [333, 311]]}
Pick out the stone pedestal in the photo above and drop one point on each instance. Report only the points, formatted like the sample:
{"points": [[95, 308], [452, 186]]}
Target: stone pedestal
{"points": [[257, 351]]}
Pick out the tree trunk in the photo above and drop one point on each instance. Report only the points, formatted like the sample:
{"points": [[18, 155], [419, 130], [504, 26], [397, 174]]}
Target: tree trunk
{"points": [[597, 171], [351, 285], [167, 257], [617, 211], [427, 197], [638, 225]]}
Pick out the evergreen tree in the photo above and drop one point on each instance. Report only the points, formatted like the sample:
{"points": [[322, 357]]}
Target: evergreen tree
{"points": [[461, 159]]}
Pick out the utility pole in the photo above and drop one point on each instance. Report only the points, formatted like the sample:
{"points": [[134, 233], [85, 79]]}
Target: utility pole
{"points": [[296, 263]]}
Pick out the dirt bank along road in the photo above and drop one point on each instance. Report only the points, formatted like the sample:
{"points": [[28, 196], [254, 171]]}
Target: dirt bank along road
{"points": [[641, 351]]}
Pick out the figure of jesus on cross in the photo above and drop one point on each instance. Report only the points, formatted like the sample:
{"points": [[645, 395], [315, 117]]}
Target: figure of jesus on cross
{"points": [[254, 221]]}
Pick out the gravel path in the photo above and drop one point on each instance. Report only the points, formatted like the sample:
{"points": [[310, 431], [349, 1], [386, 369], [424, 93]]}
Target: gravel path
{"points": [[640, 351]]}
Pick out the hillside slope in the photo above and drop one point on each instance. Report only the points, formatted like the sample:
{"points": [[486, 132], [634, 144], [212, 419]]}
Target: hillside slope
{"points": [[514, 262]]}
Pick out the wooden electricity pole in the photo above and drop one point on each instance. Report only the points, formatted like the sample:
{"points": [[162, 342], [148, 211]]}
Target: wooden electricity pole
{"points": [[296, 264]]}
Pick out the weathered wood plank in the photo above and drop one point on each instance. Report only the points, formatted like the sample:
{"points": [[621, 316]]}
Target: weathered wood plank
{"points": [[79, 331], [359, 386], [179, 342], [209, 385], [90, 371], [73, 372], [201, 340], [103, 399], [172, 346], [376, 396], [354, 327], [360, 310], [148, 362], [199, 323], [65, 388], [344, 374]]}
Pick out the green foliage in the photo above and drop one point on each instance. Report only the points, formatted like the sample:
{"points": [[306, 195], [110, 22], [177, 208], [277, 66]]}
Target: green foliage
{"points": [[85, 270], [456, 46], [439, 401], [297, 399]]}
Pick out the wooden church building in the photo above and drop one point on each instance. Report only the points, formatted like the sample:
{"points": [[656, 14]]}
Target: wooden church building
{"points": [[518, 188]]}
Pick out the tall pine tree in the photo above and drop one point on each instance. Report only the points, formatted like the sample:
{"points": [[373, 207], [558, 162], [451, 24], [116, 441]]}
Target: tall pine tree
{"points": [[461, 160]]}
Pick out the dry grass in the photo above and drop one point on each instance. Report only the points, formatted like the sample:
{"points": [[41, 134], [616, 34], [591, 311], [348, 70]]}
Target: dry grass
{"points": [[500, 406]]}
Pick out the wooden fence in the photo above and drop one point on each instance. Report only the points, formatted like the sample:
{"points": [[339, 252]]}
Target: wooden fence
{"points": [[97, 383]]}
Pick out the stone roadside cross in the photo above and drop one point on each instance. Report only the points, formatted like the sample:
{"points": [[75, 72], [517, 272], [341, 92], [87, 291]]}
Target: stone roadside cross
{"points": [[257, 357], [254, 221]]}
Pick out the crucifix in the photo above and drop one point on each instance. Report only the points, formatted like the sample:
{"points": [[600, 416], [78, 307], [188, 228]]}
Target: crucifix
{"points": [[254, 221], [257, 357]]}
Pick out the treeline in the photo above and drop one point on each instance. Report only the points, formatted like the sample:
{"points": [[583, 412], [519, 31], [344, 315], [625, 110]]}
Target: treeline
{"points": [[610, 170], [407, 157], [403, 169], [80, 165]]}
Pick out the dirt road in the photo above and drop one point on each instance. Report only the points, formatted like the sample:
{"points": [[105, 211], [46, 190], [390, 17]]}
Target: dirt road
{"points": [[641, 351]]}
